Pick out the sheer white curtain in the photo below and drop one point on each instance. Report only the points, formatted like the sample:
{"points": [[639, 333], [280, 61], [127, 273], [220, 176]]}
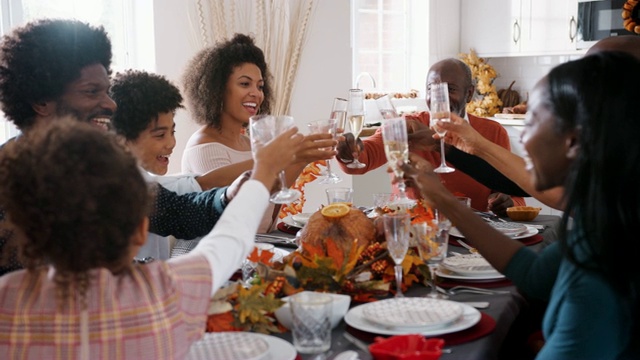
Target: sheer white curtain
{"points": [[278, 26]]}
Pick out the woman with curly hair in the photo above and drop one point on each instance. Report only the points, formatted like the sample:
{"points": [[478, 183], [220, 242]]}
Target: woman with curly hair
{"points": [[225, 85], [81, 203]]}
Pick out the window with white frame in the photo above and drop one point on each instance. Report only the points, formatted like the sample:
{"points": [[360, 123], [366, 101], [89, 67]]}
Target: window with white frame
{"points": [[127, 22], [388, 43]]}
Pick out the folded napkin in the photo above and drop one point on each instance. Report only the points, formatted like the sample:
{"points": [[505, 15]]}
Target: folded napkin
{"points": [[485, 326]]}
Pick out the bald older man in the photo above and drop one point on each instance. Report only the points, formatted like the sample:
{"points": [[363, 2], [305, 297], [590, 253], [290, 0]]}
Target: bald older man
{"points": [[461, 89]]}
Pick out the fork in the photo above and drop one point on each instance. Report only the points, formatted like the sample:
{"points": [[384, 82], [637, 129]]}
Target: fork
{"points": [[470, 289]]}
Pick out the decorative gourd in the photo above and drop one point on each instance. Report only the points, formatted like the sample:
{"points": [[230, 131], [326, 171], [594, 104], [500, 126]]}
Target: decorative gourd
{"points": [[509, 97]]}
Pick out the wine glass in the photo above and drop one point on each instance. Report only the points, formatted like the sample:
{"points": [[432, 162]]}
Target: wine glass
{"points": [[327, 126], [439, 110], [339, 113], [432, 246], [396, 232], [396, 146], [356, 120], [263, 128], [387, 110]]}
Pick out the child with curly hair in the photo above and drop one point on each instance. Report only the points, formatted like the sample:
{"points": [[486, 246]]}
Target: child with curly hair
{"points": [[81, 203]]}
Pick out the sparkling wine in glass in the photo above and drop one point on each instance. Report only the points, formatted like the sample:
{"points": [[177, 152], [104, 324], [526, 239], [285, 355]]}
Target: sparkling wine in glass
{"points": [[263, 128], [339, 113], [432, 247], [396, 232], [355, 116], [396, 147], [439, 110], [386, 108], [327, 126]]}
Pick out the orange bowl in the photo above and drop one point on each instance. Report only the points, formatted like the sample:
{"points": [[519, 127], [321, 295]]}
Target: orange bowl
{"points": [[523, 213], [406, 347]]}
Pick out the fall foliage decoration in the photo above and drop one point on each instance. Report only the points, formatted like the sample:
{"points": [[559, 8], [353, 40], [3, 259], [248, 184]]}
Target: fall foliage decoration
{"points": [[311, 172], [630, 18], [483, 74]]}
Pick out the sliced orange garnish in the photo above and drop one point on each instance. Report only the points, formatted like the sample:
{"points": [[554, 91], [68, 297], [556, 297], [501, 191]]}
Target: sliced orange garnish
{"points": [[335, 210]]}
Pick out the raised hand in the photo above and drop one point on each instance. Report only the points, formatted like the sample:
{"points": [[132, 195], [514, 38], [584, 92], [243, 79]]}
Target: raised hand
{"points": [[461, 135], [349, 148], [316, 147], [420, 136]]}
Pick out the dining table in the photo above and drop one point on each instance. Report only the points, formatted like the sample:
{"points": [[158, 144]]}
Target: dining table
{"points": [[505, 306]]}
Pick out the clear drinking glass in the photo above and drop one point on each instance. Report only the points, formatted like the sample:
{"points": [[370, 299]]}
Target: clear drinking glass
{"points": [[397, 231], [433, 242], [439, 110], [387, 110], [355, 115], [396, 146], [263, 128], [327, 126], [339, 113]]}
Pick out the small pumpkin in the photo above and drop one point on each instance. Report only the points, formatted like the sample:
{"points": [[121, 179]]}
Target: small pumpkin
{"points": [[509, 97]]}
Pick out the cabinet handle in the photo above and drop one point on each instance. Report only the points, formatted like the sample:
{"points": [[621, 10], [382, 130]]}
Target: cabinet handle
{"points": [[516, 31], [573, 28]]}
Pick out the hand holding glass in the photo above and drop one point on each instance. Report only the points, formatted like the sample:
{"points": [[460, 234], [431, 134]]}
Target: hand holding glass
{"points": [[262, 129], [396, 146], [439, 110], [339, 113], [396, 232], [356, 120], [327, 126]]}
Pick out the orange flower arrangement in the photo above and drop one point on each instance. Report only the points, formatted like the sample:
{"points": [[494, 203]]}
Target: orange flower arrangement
{"points": [[310, 173]]}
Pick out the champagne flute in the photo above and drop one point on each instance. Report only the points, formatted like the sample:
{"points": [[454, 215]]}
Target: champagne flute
{"points": [[263, 128], [396, 146], [327, 126], [356, 120], [439, 110], [387, 110], [432, 247], [339, 113], [396, 232]]}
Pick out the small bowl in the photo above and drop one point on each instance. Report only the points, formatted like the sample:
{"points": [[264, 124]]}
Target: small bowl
{"points": [[523, 213], [340, 306], [406, 347]]}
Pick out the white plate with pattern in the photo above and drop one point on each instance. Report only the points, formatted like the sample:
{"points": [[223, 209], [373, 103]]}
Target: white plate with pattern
{"points": [[301, 218], [412, 312], [530, 231], [229, 346], [355, 318], [469, 265], [292, 223]]}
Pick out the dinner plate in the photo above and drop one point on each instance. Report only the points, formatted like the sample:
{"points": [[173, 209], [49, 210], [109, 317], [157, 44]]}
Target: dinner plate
{"points": [[356, 319], [301, 218], [292, 223], [530, 232], [412, 312], [446, 274], [229, 346], [469, 265], [279, 349]]}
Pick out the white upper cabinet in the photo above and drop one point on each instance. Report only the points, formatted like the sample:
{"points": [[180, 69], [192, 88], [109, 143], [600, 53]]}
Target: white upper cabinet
{"points": [[518, 27]]}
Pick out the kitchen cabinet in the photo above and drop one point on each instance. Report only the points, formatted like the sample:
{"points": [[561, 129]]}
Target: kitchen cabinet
{"points": [[518, 27]]}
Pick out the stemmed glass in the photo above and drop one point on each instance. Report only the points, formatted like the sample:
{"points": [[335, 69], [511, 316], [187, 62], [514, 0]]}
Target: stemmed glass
{"points": [[396, 232], [356, 120], [396, 146], [432, 246], [386, 108], [339, 113], [263, 128], [327, 126], [439, 110]]}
